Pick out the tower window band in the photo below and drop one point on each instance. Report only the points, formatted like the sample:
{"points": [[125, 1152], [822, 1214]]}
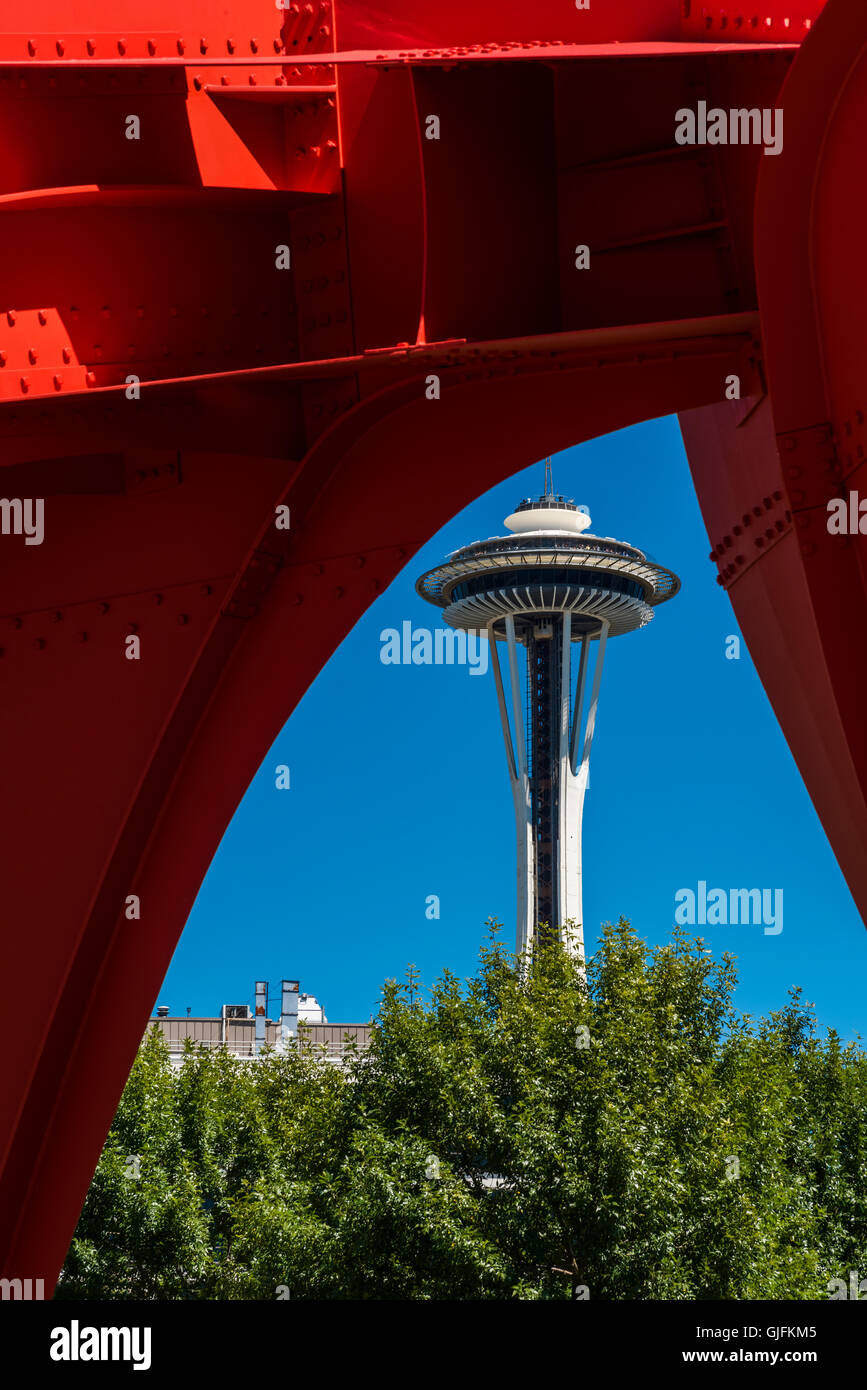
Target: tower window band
{"points": [[605, 580]]}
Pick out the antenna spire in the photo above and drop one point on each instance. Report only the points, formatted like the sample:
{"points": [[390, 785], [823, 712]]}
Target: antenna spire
{"points": [[549, 483]]}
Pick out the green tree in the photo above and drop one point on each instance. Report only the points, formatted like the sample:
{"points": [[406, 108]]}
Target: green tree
{"points": [[535, 1132]]}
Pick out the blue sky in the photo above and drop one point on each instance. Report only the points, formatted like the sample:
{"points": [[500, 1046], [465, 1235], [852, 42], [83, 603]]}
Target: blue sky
{"points": [[399, 791]]}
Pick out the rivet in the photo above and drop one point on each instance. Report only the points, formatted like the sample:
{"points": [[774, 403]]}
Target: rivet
{"points": [[31, 48], [39, 644], [58, 381], [42, 317], [91, 47], [90, 378], [103, 608], [31, 356], [152, 48], [183, 618]]}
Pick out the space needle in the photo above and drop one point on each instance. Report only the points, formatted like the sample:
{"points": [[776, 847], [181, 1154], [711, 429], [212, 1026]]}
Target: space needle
{"points": [[551, 589]]}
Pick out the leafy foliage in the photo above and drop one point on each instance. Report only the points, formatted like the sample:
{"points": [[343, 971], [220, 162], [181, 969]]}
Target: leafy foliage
{"points": [[535, 1132]]}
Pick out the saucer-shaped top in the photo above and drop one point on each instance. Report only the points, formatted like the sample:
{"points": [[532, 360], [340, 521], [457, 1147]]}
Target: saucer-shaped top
{"points": [[546, 515]]}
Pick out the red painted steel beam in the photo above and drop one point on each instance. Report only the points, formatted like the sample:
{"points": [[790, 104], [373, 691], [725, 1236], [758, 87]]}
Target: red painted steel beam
{"points": [[798, 590], [165, 385]]}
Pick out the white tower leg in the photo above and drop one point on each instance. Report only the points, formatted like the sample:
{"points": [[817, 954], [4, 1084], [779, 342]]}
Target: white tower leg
{"points": [[569, 910], [578, 776], [516, 756]]}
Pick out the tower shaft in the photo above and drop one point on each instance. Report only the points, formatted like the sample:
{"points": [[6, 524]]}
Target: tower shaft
{"points": [[544, 702], [548, 770]]}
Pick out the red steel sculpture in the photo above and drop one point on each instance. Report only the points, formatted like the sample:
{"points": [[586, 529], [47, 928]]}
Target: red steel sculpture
{"points": [[241, 248]]}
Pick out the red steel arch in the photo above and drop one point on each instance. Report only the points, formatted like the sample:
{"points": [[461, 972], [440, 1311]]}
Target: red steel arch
{"points": [[232, 260]]}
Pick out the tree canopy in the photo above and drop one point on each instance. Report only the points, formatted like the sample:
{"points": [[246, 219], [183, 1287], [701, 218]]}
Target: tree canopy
{"points": [[534, 1132]]}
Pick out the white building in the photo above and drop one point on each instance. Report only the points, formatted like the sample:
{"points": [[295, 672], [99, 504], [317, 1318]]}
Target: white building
{"points": [[302, 1024]]}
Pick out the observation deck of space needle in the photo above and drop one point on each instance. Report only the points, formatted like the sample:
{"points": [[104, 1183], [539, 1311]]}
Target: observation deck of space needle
{"points": [[552, 589]]}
